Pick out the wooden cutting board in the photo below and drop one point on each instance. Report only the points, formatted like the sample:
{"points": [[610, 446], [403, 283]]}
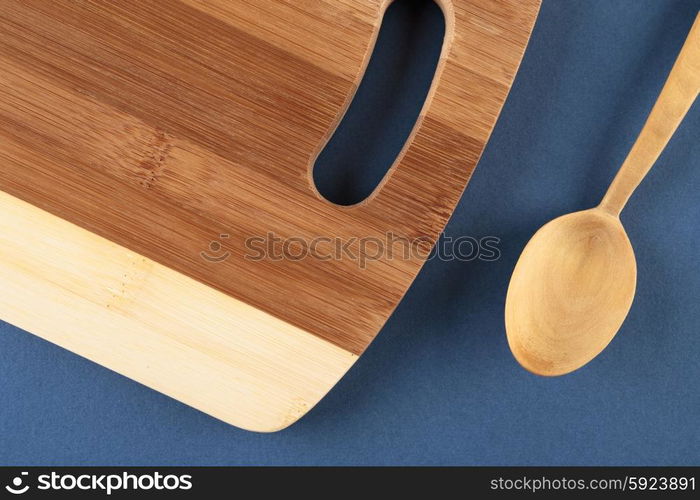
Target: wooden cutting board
{"points": [[143, 143]]}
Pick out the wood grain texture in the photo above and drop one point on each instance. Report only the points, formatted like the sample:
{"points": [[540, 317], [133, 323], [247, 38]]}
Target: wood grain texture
{"points": [[159, 125]]}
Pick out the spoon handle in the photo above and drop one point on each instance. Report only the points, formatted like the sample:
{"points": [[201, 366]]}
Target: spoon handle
{"points": [[679, 92]]}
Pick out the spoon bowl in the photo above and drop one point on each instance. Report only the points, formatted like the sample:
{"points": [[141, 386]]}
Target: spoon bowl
{"points": [[570, 292]]}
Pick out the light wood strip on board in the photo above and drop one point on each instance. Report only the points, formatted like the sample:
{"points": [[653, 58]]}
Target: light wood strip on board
{"points": [[157, 326]]}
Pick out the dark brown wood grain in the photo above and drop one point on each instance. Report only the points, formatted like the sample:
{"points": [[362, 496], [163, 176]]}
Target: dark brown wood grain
{"points": [[161, 125]]}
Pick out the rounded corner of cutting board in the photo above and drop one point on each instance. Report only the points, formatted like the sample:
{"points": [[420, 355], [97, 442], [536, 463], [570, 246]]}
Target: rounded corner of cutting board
{"points": [[157, 326]]}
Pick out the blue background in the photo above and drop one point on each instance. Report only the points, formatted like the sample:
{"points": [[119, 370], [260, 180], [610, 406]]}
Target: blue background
{"points": [[439, 385]]}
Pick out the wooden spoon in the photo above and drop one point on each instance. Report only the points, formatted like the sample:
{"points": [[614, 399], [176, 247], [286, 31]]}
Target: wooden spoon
{"points": [[575, 281]]}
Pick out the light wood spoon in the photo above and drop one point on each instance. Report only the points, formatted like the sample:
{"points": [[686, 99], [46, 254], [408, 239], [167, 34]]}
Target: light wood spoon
{"points": [[575, 281]]}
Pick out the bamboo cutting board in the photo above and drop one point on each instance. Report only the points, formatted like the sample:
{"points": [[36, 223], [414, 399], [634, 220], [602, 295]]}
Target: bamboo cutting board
{"points": [[141, 140]]}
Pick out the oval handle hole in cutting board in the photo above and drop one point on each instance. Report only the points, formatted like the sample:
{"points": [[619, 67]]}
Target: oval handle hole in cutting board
{"points": [[386, 105]]}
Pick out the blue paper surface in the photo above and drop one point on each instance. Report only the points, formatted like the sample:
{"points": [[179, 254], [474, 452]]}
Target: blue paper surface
{"points": [[439, 385]]}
